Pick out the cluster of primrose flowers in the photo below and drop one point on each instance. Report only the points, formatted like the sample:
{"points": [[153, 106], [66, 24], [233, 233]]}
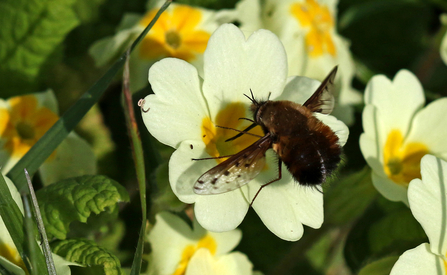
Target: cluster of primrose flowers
{"points": [[206, 67]]}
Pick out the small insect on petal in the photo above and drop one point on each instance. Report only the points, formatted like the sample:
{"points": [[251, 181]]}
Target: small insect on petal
{"points": [[308, 147]]}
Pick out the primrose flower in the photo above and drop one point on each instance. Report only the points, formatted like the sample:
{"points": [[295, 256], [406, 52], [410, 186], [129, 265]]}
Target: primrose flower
{"points": [[307, 28], [184, 113], [398, 132], [427, 198], [181, 31], [23, 121], [181, 250], [9, 256]]}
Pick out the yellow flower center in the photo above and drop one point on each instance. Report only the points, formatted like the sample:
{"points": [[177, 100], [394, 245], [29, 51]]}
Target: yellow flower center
{"points": [[207, 242], [173, 39], [12, 255], [25, 130], [214, 137], [23, 124], [175, 34], [402, 162], [320, 24]]}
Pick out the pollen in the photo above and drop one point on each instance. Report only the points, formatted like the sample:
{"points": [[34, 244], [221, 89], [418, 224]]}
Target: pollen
{"points": [[12, 255], [229, 117], [177, 33], [319, 23], [23, 124], [207, 242], [402, 160]]}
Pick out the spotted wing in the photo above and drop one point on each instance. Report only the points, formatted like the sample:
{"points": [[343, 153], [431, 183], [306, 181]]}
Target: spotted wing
{"points": [[236, 171], [322, 101]]}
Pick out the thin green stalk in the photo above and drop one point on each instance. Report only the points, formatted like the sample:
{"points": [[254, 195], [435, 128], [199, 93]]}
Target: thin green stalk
{"points": [[137, 154], [137, 150], [36, 211]]}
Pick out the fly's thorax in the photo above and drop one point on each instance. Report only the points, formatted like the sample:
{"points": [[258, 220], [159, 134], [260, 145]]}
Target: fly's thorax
{"points": [[283, 117]]}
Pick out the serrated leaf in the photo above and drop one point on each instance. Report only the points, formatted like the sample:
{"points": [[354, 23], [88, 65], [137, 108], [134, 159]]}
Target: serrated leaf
{"points": [[379, 267], [89, 254], [31, 31], [75, 199], [347, 199]]}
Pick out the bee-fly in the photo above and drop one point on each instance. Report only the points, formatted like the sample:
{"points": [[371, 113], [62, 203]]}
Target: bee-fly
{"points": [[308, 147]]}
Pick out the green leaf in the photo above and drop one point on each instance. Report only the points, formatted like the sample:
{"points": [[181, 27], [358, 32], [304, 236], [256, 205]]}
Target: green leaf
{"points": [[397, 231], [348, 199], [75, 199], [386, 228], [379, 267], [89, 254], [31, 31]]}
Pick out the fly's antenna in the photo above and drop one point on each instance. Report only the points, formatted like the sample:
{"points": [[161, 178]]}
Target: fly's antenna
{"points": [[252, 98]]}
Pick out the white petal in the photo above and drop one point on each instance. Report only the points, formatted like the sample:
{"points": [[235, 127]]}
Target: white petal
{"points": [[396, 101], [184, 172], [430, 127], [373, 126], [226, 241], [389, 189], [233, 66], [48, 100], [419, 261], [74, 157], [202, 262], [168, 238], [428, 201], [249, 15], [284, 205], [177, 109], [221, 212], [299, 89], [371, 153]]}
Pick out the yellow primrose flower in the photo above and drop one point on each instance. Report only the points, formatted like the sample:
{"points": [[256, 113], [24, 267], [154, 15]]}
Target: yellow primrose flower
{"points": [[176, 34], [320, 25], [23, 121], [427, 198], [178, 249], [181, 31], [10, 258], [398, 132]]}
